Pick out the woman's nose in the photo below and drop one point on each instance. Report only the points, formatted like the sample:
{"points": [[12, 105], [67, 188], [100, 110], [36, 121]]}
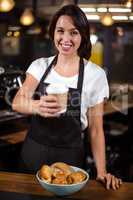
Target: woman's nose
{"points": [[66, 37]]}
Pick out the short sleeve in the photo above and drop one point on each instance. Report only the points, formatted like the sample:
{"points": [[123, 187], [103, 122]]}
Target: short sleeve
{"points": [[37, 68], [100, 89]]}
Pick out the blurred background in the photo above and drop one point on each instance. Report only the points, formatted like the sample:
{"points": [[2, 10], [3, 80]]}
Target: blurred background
{"points": [[24, 37]]}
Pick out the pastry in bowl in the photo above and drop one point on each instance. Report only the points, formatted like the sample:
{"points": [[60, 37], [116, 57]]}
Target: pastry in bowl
{"points": [[60, 168], [76, 177], [67, 181], [46, 173], [60, 179]]}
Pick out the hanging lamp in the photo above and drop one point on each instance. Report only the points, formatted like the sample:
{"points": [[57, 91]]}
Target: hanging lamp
{"points": [[106, 19], [129, 4], [6, 5], [27, 17]]}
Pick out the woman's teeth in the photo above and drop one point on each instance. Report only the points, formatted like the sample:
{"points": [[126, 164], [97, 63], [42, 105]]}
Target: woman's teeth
{"points": [[66, 46]]}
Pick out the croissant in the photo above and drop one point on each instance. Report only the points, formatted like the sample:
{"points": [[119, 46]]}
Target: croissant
{"points": [[46, 173], [76, 177], [60, 179], [60, 168]]}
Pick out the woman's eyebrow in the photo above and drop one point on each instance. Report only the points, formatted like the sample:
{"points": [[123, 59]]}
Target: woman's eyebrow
{"points": [[72, 29]]}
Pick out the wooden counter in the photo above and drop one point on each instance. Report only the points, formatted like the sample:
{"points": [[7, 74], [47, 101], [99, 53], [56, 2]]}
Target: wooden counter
{"points": [[28, 185]]}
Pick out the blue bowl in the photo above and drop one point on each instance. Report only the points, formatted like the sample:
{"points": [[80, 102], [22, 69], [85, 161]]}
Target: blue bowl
{"points": [[62, 190]]}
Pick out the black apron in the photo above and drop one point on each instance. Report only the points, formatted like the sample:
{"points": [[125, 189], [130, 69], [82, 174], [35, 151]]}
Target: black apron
{"points": [[57, 139]]}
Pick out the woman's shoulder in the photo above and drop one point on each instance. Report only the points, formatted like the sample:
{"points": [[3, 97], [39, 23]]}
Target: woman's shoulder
{"points": [[38, 67], [93, 70], [43, 61]]}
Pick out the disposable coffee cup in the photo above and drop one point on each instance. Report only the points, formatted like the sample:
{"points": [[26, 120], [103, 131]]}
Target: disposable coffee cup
{"points": [[61, 92]]}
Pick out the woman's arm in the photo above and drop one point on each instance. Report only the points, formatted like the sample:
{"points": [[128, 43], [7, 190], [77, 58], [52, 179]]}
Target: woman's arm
{"points": [[95, 116], [46, 106], [97, 139], [23, 101]]}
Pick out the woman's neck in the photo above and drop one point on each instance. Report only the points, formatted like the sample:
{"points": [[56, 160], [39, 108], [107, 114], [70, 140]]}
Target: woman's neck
{"points": [[66, 61], [67, 66]]}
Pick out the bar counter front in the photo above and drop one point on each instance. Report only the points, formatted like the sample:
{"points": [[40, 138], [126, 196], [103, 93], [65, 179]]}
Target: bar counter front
{"points": [[19, 186]]}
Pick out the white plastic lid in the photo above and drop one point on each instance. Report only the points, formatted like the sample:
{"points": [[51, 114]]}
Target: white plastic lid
{"points": [[56, 88]]}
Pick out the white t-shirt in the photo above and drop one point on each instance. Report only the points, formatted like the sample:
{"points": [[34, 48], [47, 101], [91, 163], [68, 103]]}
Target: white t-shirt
{"points": [[95, 85]]}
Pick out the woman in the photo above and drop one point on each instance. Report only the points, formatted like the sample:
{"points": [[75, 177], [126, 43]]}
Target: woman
{"points": [[54, 137]]}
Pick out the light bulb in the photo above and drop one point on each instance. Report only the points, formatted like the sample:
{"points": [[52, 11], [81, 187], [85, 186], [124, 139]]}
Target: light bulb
{"points": [[107, 19], [6, 5], [129, 4], [27, 17]]}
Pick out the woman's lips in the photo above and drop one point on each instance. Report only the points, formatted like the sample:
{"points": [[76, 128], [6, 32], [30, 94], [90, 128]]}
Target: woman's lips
{"points": [[66, 47]]}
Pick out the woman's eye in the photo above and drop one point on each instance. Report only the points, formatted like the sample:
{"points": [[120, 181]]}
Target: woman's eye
{"points": [[74, 32], [60, 31]]}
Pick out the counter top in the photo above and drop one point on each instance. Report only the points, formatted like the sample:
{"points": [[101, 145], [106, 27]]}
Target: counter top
{"points": [[25, 186]]}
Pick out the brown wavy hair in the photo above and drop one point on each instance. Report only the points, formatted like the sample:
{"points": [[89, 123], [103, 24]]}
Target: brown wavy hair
{"points": [[80, 22]]}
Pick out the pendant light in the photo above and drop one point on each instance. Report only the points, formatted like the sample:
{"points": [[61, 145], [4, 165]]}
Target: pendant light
{"points": [[27, 17], [106, 19], [35, 28], [6, 5], [129, 4]]}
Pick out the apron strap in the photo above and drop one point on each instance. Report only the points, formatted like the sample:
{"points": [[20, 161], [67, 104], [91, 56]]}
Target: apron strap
{"points": [[49, 68], [81, 76]]}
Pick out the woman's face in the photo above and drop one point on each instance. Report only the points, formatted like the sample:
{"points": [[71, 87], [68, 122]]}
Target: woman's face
{"points": [[67, 38]]}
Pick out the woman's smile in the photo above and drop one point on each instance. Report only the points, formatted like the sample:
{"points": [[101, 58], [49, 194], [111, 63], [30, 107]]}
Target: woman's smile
{"points": [[66, 47]]}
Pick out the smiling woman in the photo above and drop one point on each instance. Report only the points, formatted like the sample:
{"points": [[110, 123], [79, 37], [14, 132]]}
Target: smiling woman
{"points": [[55, 137]]}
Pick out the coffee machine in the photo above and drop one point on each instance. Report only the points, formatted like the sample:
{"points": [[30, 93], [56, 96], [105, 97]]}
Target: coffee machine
{"points": [[11, 79]]}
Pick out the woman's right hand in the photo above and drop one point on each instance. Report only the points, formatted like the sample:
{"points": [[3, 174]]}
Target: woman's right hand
{"points": [[48, 106]]}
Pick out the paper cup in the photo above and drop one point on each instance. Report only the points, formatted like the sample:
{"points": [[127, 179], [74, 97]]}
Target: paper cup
{"points": [[61, 92]]}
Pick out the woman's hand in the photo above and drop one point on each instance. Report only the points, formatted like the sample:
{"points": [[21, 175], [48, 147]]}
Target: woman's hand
{"points": [[48, 106], [110, 181]]}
